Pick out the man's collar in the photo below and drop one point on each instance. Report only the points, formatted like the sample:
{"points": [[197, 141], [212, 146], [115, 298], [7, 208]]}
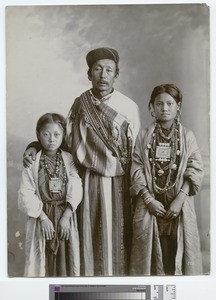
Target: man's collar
{"points": [[105, 98]]}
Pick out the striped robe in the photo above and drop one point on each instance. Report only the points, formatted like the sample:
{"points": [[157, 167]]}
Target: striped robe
{"points": [[104, 216]]}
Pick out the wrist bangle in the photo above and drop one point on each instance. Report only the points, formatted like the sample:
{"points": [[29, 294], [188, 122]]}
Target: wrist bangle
{"points": [[142, 194], [148, 200], [181, 190]]}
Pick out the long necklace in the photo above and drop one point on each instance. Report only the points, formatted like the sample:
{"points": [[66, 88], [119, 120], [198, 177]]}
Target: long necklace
{"points": [[55, 184], [163, 156]]}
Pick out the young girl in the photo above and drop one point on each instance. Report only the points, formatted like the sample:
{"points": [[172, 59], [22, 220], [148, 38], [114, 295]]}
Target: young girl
{"points": [[166, 173], [49, 194]]}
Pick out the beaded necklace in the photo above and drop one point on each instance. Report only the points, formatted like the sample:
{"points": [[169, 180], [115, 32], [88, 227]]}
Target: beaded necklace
{"points": [[163, 156], [54, 179]]}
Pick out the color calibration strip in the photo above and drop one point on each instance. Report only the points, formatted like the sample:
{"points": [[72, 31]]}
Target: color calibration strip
{"points": [[105, 296], [112, 292]]}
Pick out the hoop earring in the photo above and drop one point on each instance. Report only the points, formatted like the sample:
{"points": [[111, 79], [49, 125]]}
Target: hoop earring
{"points": [[152, 114]]}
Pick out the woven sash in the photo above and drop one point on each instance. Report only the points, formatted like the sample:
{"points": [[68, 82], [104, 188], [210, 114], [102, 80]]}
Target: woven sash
{"points": [[98, 126]]}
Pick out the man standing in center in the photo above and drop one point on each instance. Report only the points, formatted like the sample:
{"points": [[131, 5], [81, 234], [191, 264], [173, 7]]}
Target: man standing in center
{"points": [[101, 131]]}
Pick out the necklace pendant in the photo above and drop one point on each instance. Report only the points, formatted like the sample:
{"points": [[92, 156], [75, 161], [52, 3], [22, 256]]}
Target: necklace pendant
{"points": [[55, 185], [163, 151]]}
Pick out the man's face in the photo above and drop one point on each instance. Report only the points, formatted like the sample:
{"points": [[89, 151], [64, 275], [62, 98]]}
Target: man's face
{"points": [[102, 76]]}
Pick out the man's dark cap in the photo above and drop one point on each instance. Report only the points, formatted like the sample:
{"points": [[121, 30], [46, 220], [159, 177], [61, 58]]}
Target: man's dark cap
{"points": [[101, 53]]}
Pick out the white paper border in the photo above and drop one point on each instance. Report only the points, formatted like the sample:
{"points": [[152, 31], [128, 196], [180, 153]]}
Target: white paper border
{"points": [[197, 287]]}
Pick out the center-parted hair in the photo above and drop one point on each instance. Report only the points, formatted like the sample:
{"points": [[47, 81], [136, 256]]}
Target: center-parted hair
{"points": [[50, 118], [170, 89]]}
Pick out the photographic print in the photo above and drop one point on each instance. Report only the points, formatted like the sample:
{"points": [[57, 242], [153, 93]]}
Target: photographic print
{"points": [[108, 140]]}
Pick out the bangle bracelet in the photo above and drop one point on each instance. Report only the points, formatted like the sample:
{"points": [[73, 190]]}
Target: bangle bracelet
{"points": [[148, 200], [143, 193], [181, 190]]}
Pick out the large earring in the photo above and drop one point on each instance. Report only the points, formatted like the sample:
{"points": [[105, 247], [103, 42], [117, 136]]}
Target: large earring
{"points": [[178, 115], [152, 114]]}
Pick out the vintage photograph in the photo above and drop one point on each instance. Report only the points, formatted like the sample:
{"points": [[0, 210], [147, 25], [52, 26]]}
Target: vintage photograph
{"points": [[108, 140]]}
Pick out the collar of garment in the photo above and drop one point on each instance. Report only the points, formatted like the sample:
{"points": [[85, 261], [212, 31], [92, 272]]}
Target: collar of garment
{"points": [[98, 101]]}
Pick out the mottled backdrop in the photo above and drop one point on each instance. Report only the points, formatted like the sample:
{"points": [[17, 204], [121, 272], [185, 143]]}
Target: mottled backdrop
{"points": [[46, 69]]}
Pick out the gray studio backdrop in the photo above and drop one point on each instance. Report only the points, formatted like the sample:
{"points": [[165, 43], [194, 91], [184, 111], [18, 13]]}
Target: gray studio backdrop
{"points": [[46, 70]]}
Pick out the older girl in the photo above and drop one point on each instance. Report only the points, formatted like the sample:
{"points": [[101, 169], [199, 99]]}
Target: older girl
{"points": [[49, 194], [166, 173]]}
